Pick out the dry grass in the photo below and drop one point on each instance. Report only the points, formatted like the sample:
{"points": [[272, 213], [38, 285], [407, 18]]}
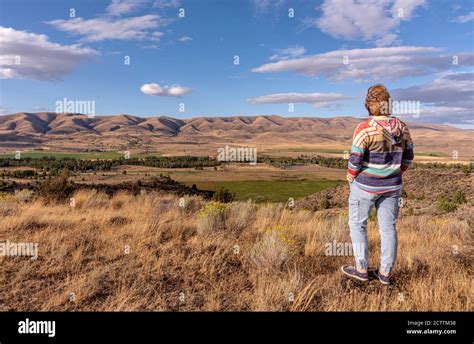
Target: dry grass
{"points": [[145, 253]]}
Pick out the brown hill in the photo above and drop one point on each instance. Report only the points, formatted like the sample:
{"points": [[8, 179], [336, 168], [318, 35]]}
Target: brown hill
{"points": [[79, 132], [419, 195]]}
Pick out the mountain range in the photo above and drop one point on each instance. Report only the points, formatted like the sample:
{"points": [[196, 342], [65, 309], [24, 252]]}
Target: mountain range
{"points": [[78, 132]]}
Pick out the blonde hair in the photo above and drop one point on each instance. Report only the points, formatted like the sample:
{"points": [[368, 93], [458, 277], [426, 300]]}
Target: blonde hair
{"points": [[378, 100]]}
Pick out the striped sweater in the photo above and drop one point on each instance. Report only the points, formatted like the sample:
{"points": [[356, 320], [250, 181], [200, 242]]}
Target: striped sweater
{"points": [[381, 150]]}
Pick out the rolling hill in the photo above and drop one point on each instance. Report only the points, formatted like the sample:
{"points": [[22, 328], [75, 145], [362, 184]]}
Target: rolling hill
{"points": [[77, 132]]}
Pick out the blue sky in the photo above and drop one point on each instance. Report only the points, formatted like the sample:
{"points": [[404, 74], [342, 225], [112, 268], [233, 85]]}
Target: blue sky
{"points": [[322, 59]]}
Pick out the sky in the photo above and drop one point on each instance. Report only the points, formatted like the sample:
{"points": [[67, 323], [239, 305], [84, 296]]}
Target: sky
{"points": [[193, 58]]}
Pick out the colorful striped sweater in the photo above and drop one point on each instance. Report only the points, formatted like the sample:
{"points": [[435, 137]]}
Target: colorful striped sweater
{"points": [[381, 150]]}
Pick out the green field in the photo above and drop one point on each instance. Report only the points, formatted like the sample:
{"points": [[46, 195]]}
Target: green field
{"points": [[77, 155], [269, 190]]}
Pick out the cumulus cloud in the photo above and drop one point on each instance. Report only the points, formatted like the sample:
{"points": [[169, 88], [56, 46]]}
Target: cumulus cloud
{"points": [[185, 39], [263, 6], [106, 28], [120, 7], [288, 53], [26, 55], [316, 99], [389, 63], [366, 20], [447, 99], [465, 19], [166, 3], [404, 9], [165, 91]]}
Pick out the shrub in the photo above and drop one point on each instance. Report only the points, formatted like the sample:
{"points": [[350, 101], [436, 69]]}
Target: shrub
{"points": [[218, 216], [445, 205], [466, 169], [448, 205], [223, 196], [58, 188], [240, 215], [273, 249], [212, 217], [24, 195], [8, 204], [459, 197], [324, 204], [191, 205], [7, 185], [7, 197]]}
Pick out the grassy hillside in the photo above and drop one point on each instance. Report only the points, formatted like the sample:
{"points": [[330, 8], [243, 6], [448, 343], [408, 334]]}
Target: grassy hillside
{"points": [[147, 252]]}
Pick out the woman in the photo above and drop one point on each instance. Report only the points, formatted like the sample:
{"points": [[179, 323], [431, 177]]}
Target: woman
{"points": [[381, 151]]}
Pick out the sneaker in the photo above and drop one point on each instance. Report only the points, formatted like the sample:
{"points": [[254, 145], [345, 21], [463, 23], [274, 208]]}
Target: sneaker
{"points": [[382, 278], [352, 272]]}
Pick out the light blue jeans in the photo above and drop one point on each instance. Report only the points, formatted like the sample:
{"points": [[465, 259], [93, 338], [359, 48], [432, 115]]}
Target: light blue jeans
{"points": [[360, 206]]}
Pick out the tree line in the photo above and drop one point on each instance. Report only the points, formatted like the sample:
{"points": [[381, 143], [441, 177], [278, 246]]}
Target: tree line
{"points": [[53, 166]]}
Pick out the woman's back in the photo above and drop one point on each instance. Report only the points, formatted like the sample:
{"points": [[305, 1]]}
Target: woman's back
{"points": [[381, 151]]}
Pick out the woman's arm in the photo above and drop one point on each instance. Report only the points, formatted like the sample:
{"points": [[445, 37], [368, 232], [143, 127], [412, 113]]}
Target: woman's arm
{"points": [[408, 153], [356, 157]]}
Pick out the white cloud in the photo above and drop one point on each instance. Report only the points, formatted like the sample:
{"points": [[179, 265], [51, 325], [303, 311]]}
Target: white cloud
{"points": [[388, 63], [447, 99], [4, 111], [185, 39], [288, 53], [32, 56], [40, 108], [166, 3], [366, 20], [465, 19], [387, 40], [316, 99], [263, 6], [120, 7], [165, 91], [156, 35], [104, 28], [404, 9]]}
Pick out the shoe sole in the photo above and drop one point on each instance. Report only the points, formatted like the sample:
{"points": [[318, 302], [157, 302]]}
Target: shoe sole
{"points": [[354, 276]]}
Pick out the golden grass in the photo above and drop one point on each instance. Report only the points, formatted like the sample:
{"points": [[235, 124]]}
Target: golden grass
{"points": [[145, 253]]}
